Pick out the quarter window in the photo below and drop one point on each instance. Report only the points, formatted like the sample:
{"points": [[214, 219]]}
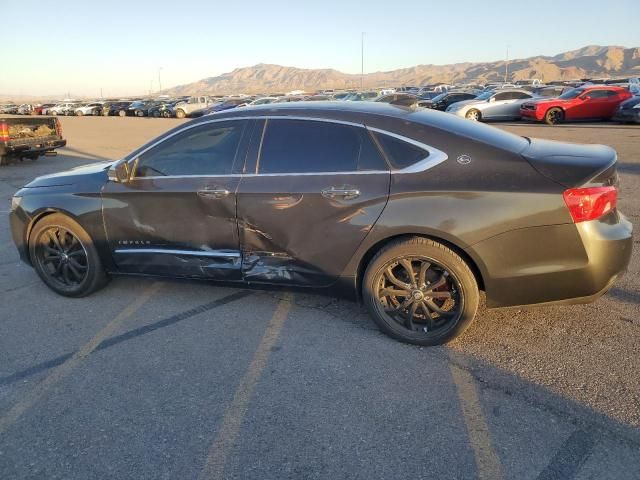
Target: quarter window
{"points": [[205, 150], [307, 146], [401, 154]]}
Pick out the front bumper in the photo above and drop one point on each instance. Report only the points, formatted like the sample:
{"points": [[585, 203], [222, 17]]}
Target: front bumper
{"points": [[18, 223], [568, 263], [529, 114], [627, 115]]}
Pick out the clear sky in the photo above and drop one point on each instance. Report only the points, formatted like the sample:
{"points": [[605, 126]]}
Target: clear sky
{"points": [[51, 48]]}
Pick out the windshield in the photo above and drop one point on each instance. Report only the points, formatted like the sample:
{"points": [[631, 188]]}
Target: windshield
{"points": [[437, 98], [573, 93]]}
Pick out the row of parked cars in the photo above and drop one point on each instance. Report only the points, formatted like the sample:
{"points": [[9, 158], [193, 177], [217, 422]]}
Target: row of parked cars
{"points": [[526, 99]]}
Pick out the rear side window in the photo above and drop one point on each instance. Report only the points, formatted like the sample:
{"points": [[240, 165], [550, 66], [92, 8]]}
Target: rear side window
{"points": [[400, 154], [307, 146]]}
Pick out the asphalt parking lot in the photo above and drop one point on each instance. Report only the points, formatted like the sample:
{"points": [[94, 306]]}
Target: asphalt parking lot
{"points": [[185, 380]]}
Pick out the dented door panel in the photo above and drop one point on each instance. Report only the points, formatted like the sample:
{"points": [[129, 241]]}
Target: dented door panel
{"points": [[290, 233]]}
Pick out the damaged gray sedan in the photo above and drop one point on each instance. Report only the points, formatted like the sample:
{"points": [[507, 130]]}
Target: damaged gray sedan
{"points": [[413, 212]]}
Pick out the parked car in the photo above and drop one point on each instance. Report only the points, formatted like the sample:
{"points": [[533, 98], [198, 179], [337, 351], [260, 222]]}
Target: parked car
{"points": [[402, 99], [25, 109], [10, 109], [593, 102], [551, 91], [163, 109], [116, 108], [362, 96], [289, 99], [29, 138], [43, 109], [62, 108], [499, 104], [226, 105], [341, 95], [275, 195], [141, 108], [263, 101], [193, 104], [94, 108], [628, 111], [442, 101]]}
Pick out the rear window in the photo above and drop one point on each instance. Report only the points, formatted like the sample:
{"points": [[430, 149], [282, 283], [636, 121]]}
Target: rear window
{"points": [[400, 154]]}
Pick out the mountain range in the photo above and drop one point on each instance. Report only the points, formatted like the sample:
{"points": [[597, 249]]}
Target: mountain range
{"points": [[592, 61]]}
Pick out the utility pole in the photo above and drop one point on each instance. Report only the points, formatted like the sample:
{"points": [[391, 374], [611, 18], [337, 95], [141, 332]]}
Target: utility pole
{"points": [[100, 92], [506, 66], [159, 81], [362, 62]]}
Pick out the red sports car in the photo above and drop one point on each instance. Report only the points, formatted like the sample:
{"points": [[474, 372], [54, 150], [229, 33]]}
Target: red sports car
{"points": [[583, 103]]}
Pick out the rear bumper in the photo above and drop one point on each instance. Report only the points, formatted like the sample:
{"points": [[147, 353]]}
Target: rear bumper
{"points": [[569, 263], [627, 115], [31, 149]]}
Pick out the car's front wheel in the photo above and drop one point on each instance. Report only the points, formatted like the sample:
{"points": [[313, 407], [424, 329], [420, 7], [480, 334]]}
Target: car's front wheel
{"points": [[65, 258], [554, 116], [474, 115], [420, 291], [180, 114]]}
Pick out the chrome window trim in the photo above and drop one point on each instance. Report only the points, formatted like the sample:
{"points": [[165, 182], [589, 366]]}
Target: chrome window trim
{"points": [[435, 156], [169, 251]]}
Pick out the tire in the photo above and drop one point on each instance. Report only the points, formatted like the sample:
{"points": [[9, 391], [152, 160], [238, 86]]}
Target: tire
{"points": [[554, 116], [77, 264], [79, 114], [54, 113], [180, 113], [122, 113], [139, 113], [446, 274], [473, 115]]}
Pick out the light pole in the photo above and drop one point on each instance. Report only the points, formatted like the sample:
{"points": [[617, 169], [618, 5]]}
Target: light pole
{"points": [[159, 81], [362, 61], [506, 66]]}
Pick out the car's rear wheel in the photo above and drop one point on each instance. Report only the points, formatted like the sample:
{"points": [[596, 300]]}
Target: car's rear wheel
{"points": [[554, 116], [79, 113], [180, 113], [54, 113], [420, 291], [474, 115], [65, 257], [122, 113]]}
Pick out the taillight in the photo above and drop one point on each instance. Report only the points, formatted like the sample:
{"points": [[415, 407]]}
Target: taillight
{"points": [[4, 132], [590, 203]]}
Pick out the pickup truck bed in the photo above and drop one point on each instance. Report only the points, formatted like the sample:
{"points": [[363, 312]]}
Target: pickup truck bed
{"points": [[29, 137]]}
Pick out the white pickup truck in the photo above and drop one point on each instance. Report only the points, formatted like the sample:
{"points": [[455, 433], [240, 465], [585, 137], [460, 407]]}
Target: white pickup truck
{"points": [[184, 109]]}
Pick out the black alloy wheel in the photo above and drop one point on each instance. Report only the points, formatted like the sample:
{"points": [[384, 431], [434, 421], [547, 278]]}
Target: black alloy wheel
{"points": [[420, 292], [64, 257]]}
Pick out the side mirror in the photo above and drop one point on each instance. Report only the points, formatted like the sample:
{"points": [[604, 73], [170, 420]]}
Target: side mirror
{"points": [[119, 172]]}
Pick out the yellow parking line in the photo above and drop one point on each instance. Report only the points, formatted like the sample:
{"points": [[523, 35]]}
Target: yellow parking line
{"points": [[487, 461], [67, 367], [233, 417]]}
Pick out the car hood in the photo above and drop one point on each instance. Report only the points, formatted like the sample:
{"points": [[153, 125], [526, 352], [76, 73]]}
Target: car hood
{"points": [[82, 174]]}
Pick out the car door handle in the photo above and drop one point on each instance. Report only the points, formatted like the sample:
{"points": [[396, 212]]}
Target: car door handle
{"points": [[346, 193], [213, 193]]}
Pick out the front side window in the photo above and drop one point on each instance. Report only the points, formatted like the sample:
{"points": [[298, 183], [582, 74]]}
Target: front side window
{"points": [[204, 150], [307, 146]]}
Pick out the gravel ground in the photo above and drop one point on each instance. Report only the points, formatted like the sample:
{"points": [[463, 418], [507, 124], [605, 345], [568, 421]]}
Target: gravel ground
{"points": [[167, 379]]}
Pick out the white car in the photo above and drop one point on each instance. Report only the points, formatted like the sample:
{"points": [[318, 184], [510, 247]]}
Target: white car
{"points": [[502, 104], [61, 108], [89, 109]]}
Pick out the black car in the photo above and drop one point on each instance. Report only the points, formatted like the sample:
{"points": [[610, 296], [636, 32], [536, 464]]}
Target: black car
{"points": [[442, 101], [141, 108], [628, 111], [414, 211], [403, 99], [115, 108]]}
